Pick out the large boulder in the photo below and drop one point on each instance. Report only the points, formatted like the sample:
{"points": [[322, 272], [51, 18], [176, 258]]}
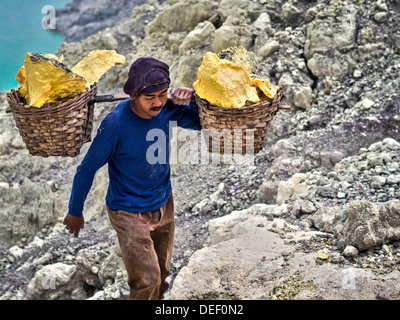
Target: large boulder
{"points": [[55, 282], [366, 225], [226, 269]]}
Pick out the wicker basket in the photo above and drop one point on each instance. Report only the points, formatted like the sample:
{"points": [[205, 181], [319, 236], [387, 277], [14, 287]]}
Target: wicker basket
{"points": [[248, 126], [54, 129]]}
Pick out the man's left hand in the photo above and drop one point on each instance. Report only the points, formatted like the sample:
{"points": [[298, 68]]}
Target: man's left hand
{"points": [[182, 96]]}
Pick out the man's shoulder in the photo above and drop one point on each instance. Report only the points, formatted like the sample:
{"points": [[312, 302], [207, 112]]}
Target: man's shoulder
{"points": [[114, 119]]}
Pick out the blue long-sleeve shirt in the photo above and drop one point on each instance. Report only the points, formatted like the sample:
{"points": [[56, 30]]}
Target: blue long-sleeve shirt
{"points": [[137, 153]]}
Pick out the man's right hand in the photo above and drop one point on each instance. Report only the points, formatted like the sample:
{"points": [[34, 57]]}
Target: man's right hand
{"points": [[74, 224], [182, 95]]}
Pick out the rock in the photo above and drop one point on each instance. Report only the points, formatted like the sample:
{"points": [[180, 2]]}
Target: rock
{"points": [[341, 195], [269, 48], [319, 65], [40, 70], [294, 186], [324, 34], [204, 275], [231, 36], [298, 94], [365, 104], [111, 268], [323, 218], [396, 39], [290, 13], [302, 97], [226, 227], [357, 74], [96, 64], [88, 266], [350, 252], [303, 207], [80, 19], [109, 42], [391, 143], [381, 5], [197, 37], [236, 8], [378, 181], [365, 225], [262, 22], [55, 282], [393, 179], [26, 210], [268, 192], [380, 17], [181, 16], [328, 38], [331, 157], [335, 156], [386, 249], [16, 251]]}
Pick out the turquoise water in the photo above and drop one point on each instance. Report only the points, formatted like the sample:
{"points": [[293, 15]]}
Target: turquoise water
{"points": [[21, 31]]}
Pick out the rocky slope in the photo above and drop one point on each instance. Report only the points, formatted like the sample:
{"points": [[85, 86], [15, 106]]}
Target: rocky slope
{"points": [[82, 18], [331, 235], [315, 215]]}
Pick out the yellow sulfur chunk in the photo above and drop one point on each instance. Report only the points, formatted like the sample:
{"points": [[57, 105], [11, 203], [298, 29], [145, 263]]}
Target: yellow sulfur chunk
{"points": [[21, 75], [239, 55], [231, 79], [48, 81], [224, 83], [265, 86], [96, 63], [45, 79]]}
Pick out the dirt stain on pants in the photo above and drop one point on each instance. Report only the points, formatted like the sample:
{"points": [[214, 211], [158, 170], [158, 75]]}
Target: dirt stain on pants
{"points": [[146, 241]]}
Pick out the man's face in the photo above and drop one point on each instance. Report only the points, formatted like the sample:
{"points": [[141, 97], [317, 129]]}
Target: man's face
{"points": [[149, 105]]}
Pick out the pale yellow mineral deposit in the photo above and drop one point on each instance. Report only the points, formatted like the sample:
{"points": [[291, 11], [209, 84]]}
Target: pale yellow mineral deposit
{"points": [[231, 82], [97, 63]]}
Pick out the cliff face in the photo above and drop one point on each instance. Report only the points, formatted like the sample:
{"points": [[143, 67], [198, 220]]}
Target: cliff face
{"points": [[321, 193]]}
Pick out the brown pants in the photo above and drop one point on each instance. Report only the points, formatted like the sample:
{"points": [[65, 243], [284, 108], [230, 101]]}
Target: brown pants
{"points": [[146, 241]]}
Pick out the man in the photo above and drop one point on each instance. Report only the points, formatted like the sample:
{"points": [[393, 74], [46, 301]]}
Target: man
{"points": [[139, 198]]}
